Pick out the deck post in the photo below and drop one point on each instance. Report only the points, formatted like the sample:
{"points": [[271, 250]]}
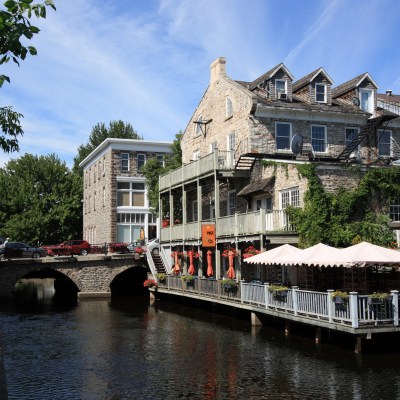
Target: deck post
{"points": [[329, 303], [295, 290], [241, 291], [357, 348], [287, 328], [255, 321], [266, 294], [354, 309], [395, 304]]}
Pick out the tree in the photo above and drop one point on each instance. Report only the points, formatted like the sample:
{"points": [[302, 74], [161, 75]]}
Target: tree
{"points": [[116, 129], [14, 26], [40, 200], [153, 169]]}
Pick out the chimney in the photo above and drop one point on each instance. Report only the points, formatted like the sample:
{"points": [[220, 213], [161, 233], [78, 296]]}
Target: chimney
{"points": [[388, 92], [217, 69]]}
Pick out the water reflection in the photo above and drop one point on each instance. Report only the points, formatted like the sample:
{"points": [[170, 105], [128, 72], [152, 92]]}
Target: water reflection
{"points": [[130, 348]]}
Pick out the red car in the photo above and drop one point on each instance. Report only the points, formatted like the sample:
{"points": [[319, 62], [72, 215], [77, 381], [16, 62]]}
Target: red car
{"points": [[70, 247]]}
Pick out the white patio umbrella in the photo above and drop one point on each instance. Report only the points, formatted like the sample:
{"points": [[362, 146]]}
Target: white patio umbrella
{"points": [[365, 253], [272, 256]]}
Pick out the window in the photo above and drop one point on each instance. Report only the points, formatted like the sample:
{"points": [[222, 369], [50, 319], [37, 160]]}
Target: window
{"points": [[320, 92], [395, 210], [280, 89], [384, 143], [283, 135], [197, 129], [160, 159], [290, 197], [130, 194], [318, 138], [195, 155], [141, 160], [366, 100], [124, 162], [262, 203], [228, 107], [213, 146], [231, 141], [195, 213], [350, 135], [231, 202]]}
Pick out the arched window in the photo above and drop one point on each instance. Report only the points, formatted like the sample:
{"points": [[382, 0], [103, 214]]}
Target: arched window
{"points": [[228, 107]]}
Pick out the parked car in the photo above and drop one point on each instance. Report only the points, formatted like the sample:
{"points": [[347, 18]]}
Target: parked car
{"points": [[153, 246], [70, 247], [132, 246], [21, 250]]}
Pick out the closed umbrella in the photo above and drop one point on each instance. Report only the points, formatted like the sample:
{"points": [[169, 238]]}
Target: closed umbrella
{"points": [[191, 266], [231, 271], [176, 267], [210, 271]]}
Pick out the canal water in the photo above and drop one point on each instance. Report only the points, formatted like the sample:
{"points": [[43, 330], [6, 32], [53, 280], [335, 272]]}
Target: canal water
{"points": [[136, 348]]}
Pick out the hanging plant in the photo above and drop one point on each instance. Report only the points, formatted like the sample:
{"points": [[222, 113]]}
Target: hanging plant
{"points": [[227, 250], [250, 252]]}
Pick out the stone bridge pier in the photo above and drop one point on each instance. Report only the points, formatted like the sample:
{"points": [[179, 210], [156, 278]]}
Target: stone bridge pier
{"points": [[91, 276]]}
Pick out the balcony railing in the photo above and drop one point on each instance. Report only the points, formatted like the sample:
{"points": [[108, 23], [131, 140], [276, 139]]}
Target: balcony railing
{"points": [[252, 223]]}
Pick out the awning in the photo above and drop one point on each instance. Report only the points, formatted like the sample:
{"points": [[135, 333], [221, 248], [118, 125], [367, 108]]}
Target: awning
{"points": [[261, 186]]}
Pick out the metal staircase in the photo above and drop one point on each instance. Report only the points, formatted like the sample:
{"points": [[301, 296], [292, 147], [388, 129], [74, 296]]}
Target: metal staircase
{"points": [[368, 131]]}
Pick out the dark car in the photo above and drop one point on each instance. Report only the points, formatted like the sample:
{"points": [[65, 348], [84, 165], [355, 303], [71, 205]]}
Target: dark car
{"points": [[70, 247], [21, 250]]}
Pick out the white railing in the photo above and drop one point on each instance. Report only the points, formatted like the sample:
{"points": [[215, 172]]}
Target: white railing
{"points": [[166, 259], [304, 304]]}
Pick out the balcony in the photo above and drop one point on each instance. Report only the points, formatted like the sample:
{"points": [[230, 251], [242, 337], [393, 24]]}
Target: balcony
{"points": [[238, 225]]}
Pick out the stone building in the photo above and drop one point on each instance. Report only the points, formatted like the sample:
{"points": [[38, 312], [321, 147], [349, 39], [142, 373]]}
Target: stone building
{"points": [[115, 203], [243, 142]]}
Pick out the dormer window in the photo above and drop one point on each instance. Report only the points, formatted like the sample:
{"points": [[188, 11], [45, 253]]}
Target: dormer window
{"points": [[320, 92], [280, 89], [367, 100]]}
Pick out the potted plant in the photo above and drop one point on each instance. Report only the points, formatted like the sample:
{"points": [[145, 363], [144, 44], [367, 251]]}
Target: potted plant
{"points": [[161, 277], [189, 279], [377, 298], [339, 297], [165, 223], [279, 292], [150, 283], [228, 250], [230, 285], [250, 252]]}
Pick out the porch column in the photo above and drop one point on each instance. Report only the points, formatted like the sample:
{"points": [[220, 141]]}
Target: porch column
{"points": [[217, 214], [295, 290], [395, 304], [330, 307], [266, 295], [199, 208], [353, 301]]}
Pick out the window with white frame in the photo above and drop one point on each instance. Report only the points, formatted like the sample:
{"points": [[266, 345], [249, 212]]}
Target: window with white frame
{"points": [[384, 142], [141, 160], [289, 197], [213, 146], [262, 202], [320, 92], [283, 135], [280, 88], [124, 162], [394, 213], [195, 214], [367, 100], [231, 141], [131, 194], [231, 202], [228, 107], [197, 129], [196, 155], [318, 138]]}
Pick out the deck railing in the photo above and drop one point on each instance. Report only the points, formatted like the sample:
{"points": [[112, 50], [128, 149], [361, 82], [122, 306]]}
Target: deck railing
{"points": [[306, 305]]}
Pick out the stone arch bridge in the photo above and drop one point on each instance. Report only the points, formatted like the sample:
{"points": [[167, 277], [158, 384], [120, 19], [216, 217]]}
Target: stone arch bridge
{"points": [[88, 276]]}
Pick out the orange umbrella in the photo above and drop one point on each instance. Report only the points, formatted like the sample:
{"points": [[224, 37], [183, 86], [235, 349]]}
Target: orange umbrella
{"points": [[210, 271], [191, 266], [231, 271], [176, 267]]}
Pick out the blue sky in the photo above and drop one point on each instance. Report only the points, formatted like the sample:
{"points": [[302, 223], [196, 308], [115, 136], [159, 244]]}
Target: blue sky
{"points": [[146, 62]]}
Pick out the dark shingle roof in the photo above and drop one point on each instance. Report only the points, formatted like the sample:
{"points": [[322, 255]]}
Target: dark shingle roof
{"points": [[268, 75], [351, 84], [308, 78]]}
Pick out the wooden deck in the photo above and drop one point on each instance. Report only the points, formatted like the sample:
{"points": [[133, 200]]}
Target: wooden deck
{"points": [[357, 316]]}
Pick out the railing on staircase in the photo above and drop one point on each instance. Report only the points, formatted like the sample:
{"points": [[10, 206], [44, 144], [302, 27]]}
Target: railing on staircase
{"points": [[166, 260], [151, 264]]}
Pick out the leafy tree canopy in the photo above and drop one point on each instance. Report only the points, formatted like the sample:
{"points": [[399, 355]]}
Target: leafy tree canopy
{"points": [[14, 26], [153, 169], [40, 200], [116, 129]]}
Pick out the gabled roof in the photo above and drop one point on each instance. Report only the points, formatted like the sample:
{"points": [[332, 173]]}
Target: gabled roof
{"points": [[352, 84], [309, 78], [269, 75], [265, 185]]}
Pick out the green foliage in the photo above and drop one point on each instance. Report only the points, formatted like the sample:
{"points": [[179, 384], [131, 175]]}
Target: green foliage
{"points": [[14, 26], [338, 219], [379, 295], [116, 129], [338, 293], [40, 200]]}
